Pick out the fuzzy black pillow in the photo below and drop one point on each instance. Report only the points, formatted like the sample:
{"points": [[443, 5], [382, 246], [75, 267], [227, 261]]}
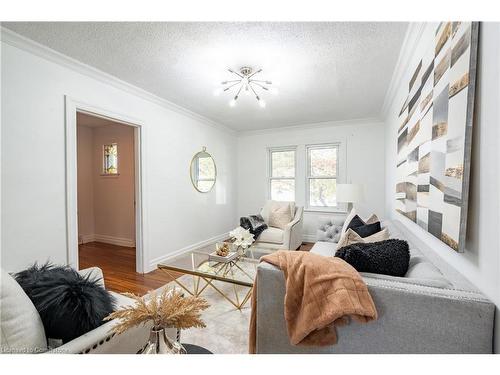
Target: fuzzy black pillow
{"points": [[69, 304], [389, 257]]}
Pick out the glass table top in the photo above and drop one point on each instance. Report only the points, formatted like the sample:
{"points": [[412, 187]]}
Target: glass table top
{"points": [[241, 270]]}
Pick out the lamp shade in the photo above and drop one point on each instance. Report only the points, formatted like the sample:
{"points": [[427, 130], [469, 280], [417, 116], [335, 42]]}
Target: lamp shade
{"points": [[350, 193]]}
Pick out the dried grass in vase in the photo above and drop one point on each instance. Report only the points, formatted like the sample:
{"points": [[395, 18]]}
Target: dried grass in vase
{"points": [[170, 309]]}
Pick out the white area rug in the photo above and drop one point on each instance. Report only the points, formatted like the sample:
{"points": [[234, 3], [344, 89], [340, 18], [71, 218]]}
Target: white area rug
{"points": [[227, 327]]}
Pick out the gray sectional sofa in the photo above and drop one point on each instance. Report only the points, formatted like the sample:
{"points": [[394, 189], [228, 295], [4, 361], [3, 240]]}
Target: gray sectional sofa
{"points": [[433, 309]]}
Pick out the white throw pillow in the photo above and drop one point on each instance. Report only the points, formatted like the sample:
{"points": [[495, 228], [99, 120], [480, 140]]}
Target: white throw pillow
{"points": [[348, 220], [350, 237], [372, 219], [20, 324], [280, 216], [270, 204]]}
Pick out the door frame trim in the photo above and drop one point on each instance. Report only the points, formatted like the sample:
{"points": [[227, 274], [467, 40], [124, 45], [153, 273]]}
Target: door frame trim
{"points": [[72, 107]]}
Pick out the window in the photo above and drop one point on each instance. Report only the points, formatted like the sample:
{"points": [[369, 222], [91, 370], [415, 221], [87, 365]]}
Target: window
{"points": [[322, 172], [282, 174], [110, 159], [205, 172]]}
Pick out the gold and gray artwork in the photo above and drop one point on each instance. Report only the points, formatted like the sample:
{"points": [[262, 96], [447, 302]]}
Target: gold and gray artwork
{"points": [[434, 138]]}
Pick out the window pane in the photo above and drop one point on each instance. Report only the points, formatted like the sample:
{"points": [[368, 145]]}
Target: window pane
{"points": [[323, 192], [206, 168], [283, 190], [283, 163], [110, 158], [323, 162]]}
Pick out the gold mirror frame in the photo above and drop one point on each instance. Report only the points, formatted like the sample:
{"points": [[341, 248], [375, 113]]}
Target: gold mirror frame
{"points": [[203, 151]]}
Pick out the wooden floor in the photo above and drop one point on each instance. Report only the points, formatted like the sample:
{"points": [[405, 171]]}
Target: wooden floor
{"points": [[306, 246], [118, 265]]}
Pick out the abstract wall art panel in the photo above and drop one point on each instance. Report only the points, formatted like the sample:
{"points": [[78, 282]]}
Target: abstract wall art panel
{"points": [[435, 134]]}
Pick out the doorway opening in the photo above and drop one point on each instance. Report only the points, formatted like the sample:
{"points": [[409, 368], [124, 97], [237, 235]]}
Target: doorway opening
{"points": [[106, 204]]}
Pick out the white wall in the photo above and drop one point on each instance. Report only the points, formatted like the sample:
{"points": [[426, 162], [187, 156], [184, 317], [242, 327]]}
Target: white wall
{"points": [[480, 262], [362, 141], [106, 209], [33, 163]]}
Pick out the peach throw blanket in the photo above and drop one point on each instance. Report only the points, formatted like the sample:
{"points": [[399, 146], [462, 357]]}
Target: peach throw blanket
{"points": [[321, 292]]}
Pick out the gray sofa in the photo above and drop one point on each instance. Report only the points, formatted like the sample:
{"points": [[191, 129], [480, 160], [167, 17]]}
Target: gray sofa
{"points": [[433, 309]]}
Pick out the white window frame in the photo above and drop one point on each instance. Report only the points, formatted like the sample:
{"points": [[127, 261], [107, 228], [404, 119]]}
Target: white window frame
{"points": [[340, 207], [270, 177]]}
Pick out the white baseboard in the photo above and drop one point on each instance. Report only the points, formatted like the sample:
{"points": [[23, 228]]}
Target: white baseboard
{"points": [[126, 242], [309, 238], [85, 238], [154, 262]]}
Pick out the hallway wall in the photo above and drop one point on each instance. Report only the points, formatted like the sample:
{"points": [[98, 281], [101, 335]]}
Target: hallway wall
{"points": [[106, 210]]}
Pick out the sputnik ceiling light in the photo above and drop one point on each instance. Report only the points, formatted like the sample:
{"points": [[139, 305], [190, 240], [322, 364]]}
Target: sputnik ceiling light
{"points": [[244, 82]]}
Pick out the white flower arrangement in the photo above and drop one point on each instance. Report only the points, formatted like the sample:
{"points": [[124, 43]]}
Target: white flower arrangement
{"points": [[242, 237]]}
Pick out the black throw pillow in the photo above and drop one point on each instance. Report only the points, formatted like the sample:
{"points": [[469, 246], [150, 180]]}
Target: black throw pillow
{"points": [[68, 303], [254, 223], [368, 229], [389, 257], [355, 222]]}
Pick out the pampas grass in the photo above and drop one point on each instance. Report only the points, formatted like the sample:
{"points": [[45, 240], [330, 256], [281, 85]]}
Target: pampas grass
{"points": [[169, 309]]}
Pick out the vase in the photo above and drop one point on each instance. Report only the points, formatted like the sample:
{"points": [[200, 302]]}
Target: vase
{"points": [[160, 343]]}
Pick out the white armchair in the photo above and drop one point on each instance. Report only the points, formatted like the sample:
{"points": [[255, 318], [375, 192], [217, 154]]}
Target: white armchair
{"points": [[289, 238]]}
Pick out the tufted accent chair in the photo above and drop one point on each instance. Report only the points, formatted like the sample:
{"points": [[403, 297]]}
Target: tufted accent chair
{"points": [[329, 229]]}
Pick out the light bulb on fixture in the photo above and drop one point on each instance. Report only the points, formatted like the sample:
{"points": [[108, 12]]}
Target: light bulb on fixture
{"points": [[217, 92], [274, 90], [232, 102], [262, 103]]}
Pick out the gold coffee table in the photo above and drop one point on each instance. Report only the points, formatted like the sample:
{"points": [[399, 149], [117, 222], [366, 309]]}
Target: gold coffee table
{"points": [[206, 273]]}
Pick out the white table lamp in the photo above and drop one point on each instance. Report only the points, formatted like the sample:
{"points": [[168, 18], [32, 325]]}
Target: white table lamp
{"points": [[348, 193]]}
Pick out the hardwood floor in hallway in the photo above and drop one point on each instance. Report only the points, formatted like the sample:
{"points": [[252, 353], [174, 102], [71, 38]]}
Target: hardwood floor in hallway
{"points": [[118, 266]]}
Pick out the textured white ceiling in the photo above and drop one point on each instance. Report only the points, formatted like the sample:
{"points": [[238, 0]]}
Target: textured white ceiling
{"points": [[325, 71]]}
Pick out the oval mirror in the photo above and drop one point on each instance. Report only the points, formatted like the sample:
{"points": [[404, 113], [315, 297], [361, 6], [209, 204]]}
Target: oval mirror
{"points": [[203, 171]]}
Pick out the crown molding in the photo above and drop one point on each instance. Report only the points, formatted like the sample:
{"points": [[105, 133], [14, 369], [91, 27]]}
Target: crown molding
{"points": [[412, 38], [316, 125], [40, 50]]}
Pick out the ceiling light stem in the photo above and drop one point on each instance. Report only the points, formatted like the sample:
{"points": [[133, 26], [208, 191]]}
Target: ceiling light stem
{"points": [[238, 93], [234, 84], [262, 86], [257, 96], [261, 81], [233, 80], [238, 74], [254, 73]]}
